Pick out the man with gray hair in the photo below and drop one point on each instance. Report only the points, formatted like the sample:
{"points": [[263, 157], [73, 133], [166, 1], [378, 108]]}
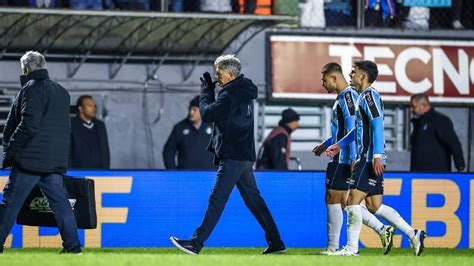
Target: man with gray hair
{"points": [[36, 146], [233, 146]]}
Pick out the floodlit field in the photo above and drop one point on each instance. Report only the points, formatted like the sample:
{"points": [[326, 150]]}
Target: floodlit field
{"points": [[231, 256]]}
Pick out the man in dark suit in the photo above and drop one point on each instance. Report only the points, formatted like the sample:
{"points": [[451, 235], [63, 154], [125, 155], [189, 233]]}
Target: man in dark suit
{"points": [[89, 142], [233, 145], [433, 140], [35, 146], [188, 141]]}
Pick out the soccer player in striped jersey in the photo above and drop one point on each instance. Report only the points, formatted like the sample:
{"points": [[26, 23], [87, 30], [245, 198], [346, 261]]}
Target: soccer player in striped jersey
{"points": [[340, 166], [366, 181]]}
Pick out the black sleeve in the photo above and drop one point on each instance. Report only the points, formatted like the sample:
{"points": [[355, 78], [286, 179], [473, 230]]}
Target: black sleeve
{"points": [[9, 125], [447, 135], [213, 109], [104, 146], [169, 150], [31, 115], [277, 152]]}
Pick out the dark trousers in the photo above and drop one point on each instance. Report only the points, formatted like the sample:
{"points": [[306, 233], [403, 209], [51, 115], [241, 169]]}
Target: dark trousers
{"points": [[16, 191], [229, 174]]}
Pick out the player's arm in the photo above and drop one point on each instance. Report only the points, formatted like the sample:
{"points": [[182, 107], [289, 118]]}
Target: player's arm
{"points": [[374, 110], [320, 148], [348, 106], [346, 140]]}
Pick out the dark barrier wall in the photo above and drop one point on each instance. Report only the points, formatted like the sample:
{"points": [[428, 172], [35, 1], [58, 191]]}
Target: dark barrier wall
{"points": [[144, 208]]}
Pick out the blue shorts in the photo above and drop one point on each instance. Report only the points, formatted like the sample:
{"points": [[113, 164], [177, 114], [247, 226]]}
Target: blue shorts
{"points": [[364, 179], [337, 176]]}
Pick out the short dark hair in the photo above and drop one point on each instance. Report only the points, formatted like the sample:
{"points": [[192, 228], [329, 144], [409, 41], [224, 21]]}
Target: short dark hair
{"points": [[330, 68], [420, 97], [80, 101], [370, 68]]}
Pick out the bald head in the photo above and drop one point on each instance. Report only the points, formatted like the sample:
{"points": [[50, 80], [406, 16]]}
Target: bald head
{"points": [[419, 104]]}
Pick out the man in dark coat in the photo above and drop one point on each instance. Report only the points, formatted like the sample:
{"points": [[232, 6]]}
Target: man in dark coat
{"points": [[232, 143], [433, 140], [89, 142], [189, 140], [275, 152], [35, 146]]}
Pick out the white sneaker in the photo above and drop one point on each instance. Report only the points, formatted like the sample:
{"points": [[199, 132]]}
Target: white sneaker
{"points": [[327, 251], [387, 239], [457, 25], [417, 242], [344, 252]]}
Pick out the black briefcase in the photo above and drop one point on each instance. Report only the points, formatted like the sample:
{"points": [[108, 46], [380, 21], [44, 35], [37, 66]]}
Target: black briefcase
{"points": [[81, 195]]}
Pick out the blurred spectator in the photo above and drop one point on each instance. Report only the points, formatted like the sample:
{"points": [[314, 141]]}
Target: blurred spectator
{"points": [[418, 18], [312, 14], [339, 13], [380, 12], [274, 154], [133, 4], [42, 3], [89, 146], [220, 6], [433, 140], [257, 7], [189, 140], [86, 4], [185, 5]]}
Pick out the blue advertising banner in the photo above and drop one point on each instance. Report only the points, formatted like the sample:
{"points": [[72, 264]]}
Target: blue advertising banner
{"points": [[145, 208], [427, 3]]}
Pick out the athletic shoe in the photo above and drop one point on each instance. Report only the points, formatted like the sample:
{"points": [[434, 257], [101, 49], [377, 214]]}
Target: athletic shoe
{"points": [[387, 239], [186, 246], [72, 250], [274, 250], [417, 242], [327, 251], [1, 249], [344, 252]]}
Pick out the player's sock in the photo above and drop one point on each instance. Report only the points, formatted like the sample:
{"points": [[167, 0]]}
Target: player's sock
{"points": [[371, 221], [335, 218], [393, 217], [354, 225]]}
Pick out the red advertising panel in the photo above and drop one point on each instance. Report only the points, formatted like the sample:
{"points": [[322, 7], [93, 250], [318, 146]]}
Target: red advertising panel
{"points": [[443, 69]]}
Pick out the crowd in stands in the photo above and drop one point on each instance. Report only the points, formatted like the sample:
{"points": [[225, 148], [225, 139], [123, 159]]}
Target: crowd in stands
{"points": [[407, 14]]}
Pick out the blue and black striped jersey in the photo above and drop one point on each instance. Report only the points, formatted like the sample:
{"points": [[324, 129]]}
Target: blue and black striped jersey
{"points": [[370, 137], [342, 122]]}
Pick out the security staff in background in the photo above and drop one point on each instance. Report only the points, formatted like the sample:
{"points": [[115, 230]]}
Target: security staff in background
{"points": [[274, 154], [189, 139], [234, 148], [35, 146], [433, 140], [89, 142]]}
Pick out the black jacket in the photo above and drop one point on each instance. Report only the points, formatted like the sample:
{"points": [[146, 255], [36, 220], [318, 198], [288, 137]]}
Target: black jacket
{"points": [[190, 144], [232, 115], [89, 147], [433, 142], [36, 135], [274, 152]]}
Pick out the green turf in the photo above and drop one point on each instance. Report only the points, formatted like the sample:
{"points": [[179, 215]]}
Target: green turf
{"points": [[231, 256]]}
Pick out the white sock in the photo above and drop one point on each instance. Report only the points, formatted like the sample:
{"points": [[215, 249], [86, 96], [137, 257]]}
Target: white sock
{"points": [[393, 217], [371, 221], [335, 218], [354, 225]]}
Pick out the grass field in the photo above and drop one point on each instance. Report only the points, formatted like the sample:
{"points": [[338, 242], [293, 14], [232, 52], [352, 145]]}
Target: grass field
{"points": [[231, 256]]}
